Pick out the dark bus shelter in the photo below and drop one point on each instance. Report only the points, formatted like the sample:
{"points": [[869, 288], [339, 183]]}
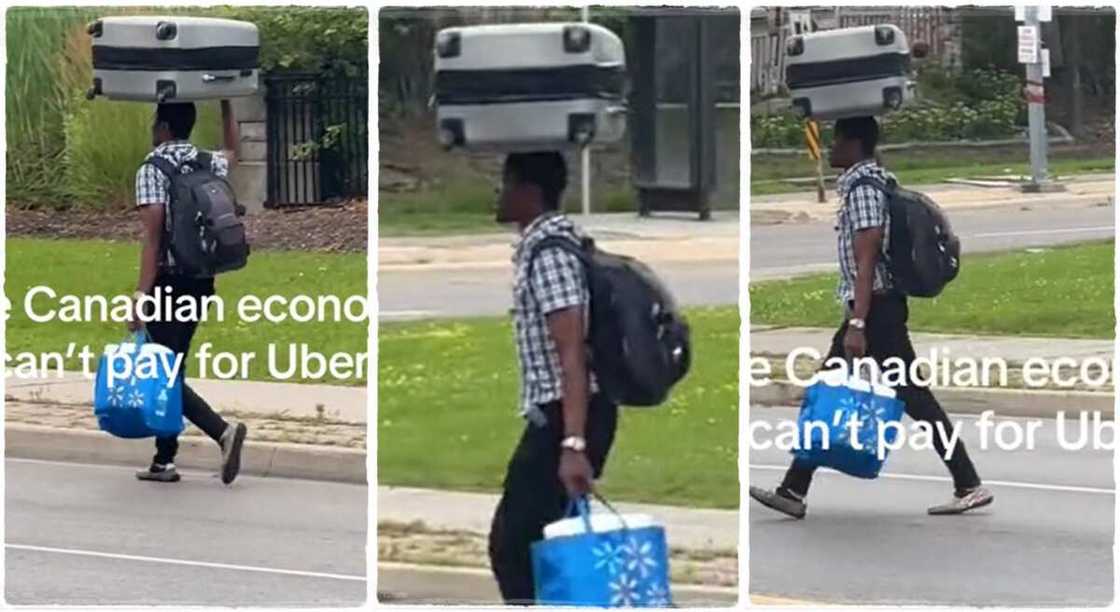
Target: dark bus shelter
{"points": [[684, 108]]}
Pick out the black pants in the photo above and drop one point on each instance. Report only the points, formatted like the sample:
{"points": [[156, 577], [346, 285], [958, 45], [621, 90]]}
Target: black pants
{"points": [[176, 335], [534, 497], [888, 336]]}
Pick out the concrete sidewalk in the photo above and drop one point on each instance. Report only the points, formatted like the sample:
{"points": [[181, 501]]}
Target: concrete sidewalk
{"points": [[663, 237], [1081, 191], [697, 529], [291, 400], [765, 340], [777, 342], [297, 431]]}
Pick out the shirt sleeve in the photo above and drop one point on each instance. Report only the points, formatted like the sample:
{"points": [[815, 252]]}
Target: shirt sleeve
{"points": [[151, 186], [866, 208], [219, 165], [558, 280]]}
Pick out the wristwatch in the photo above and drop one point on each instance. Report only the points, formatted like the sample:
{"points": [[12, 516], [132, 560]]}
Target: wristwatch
{"points": [[857, 323], [574, 443]]}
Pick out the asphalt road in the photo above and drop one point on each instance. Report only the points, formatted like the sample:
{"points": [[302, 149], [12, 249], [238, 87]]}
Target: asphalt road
{"points": [[796, 248], [93, 535], [486, 291], [1047, 539], [776, 250], [414, 585]]}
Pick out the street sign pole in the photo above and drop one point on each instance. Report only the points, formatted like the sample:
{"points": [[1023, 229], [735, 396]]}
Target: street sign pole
{"points": [[585, 152], [1033, 56], [813, 144], [1036, 110]]}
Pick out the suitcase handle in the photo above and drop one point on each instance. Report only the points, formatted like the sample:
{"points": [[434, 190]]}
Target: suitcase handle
{"points": [[213, 78]]}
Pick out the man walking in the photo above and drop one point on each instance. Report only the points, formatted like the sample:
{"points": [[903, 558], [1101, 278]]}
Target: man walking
{"points": [[171, 132], [569, 427], [875, 317]]}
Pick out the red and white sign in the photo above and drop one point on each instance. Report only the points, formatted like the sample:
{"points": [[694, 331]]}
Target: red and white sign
{"points": [[1028, 44]]}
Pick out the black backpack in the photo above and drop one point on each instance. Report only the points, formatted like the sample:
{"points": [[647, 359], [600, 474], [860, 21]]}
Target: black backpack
{"points": [[203, 231], [923, 253], [638, 339]]}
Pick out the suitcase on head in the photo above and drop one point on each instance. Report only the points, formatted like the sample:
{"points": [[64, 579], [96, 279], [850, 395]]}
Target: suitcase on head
{"points": [[848, 72], [527, 87], [173, 59]]}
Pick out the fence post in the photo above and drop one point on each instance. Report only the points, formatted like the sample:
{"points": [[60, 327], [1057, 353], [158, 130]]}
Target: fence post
{"points": [[249, 178]]}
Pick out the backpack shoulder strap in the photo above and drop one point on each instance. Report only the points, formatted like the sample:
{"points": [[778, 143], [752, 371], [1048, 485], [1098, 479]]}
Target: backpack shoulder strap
{"points": [[203, 160], [580, 251], [164, 165], [873, 182], [560, 242]]}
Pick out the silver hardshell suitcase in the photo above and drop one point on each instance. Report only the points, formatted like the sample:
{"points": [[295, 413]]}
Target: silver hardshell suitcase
{"points": [[173, 59], [529, 86], [848, 72]]}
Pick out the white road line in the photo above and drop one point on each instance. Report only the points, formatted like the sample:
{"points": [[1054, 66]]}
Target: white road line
{"points": [[206, 564], [1042, 232], [995, 483]]}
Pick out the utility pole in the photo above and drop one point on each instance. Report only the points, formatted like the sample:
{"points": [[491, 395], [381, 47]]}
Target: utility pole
{"points": [[585, 152]]}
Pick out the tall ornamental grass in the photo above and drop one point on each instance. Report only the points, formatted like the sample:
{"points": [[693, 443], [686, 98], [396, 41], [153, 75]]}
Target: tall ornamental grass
{"points": [[63, 150]]}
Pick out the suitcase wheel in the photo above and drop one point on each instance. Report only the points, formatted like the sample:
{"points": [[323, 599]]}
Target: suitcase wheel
{"points": [[165, 90], [802, 108], [94, 90], [795, 46], [449, 44], [451, 133], [96, 28], [165, 30], [577, 39], [884, 36], [892, 98], [581, 128]]}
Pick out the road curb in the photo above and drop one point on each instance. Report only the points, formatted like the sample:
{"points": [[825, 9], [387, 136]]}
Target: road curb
{"points": [[304, 461], [1004, 402], [477, 570]]}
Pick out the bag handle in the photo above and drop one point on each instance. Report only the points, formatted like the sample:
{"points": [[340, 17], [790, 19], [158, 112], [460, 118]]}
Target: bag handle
{"points": [[582, 506], [139, 337]]}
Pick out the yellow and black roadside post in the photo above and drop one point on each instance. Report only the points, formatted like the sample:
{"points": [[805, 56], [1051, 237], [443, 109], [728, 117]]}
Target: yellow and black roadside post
{"points": [[813, 142]]}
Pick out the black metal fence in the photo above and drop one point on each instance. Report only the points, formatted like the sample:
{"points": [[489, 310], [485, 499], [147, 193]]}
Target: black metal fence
{"points": [[318, 138]]}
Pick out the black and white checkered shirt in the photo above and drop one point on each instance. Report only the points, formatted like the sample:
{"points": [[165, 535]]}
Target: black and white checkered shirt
{"points": [[558, 281], [861, 208], [152, 185]]}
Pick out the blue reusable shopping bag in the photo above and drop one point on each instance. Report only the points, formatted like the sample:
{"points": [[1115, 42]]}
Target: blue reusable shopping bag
{"points": [[833, 400], [612, 565], [138, 406]]}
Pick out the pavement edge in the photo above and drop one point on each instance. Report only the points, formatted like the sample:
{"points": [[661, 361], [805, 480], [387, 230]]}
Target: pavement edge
{"points": [[303, 461], [1004, 402]]}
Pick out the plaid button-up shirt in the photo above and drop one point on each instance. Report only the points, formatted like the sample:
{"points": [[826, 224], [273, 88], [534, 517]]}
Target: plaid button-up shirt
{"points": [[862, 207], [558, 281], [152, 186]]}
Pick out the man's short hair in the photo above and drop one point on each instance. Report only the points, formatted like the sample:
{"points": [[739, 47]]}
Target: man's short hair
{"points": [[545, 169], [179, 117], [863, 129]]}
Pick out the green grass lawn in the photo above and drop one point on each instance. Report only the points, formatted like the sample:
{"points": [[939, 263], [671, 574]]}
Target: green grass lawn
{"points": [[90, 267], [1061, 292], [447, 402], [928, 167]]}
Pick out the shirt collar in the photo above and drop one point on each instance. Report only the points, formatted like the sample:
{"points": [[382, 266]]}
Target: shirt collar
{"points": [[531, 230], [858, 169]]}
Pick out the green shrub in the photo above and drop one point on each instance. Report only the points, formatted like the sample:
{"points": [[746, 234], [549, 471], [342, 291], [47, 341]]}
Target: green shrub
{"points": [[66, 151], [972, 105]]}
